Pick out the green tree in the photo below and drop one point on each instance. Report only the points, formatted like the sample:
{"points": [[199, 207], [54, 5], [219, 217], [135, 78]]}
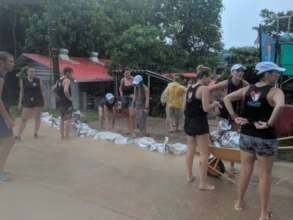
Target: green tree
{"points": [[270, 21], [81, 26]]}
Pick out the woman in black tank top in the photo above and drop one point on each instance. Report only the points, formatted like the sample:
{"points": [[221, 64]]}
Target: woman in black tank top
{"points": [[232, 84], [126, 91], [258, 138], [31, 100], [196, 126]]}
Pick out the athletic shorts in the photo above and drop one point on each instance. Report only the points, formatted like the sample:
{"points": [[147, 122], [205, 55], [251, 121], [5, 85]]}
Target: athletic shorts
{"points": [[66, 111], [126, 101], [258, 146], [4, 130], [172, 112], [196, 126]]}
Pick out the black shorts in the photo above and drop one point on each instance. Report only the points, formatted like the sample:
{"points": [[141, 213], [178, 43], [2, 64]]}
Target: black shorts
{"points": [[36, 102], [196, 126], [126, 101], [258, 146], [66, 111], [4, 130]]}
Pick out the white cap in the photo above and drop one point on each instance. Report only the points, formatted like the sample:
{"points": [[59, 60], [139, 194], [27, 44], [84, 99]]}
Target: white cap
{"points": [[266, 66], [109, 96], [137, 79], [237, 67]]}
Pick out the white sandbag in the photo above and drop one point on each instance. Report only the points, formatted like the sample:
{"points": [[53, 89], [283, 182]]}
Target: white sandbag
{"points": [[144, 142]]}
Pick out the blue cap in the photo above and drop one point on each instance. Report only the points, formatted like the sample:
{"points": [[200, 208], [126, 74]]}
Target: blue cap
{"points": [[266, 66], [109, 96], [237, 67], [137, 79]]}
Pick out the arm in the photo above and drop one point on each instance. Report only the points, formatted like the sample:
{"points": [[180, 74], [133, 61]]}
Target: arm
{"points": [[106, 117], [120, 87], [234, 96], [133, 98], [66, 89], [20, 94], [5, 115], [163, 98], [278, 100], [205, 99], [245, 83], [219, 86], [147, 97], [114, 116]]}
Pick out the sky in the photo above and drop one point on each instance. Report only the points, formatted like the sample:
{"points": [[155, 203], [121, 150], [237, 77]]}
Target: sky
{"points": [[239, 16]]}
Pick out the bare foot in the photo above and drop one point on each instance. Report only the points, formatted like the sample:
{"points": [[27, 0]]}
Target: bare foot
{"points": [[207, 187], [268, 217], [190, 179], [238, 206]]}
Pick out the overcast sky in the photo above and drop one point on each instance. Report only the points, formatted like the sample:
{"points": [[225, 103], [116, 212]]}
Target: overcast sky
{"points": [[239, 16]]}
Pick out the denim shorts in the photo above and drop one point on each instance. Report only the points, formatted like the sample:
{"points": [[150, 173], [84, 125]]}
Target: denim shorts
{"points": [[126, 101], [258, 146]]}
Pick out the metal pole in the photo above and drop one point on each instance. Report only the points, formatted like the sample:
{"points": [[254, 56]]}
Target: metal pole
{"points": [[289, 23], [53, 47]]}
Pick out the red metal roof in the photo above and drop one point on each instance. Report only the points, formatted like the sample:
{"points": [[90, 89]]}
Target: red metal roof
{"points": [[84, 70]]}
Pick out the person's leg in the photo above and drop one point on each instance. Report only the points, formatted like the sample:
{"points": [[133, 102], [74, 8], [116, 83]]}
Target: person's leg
{"points": [[191, 143], [27, 113], [203, 145], [172, 119], [38, 112], [67, 124], [6, 143], [101, 117], [131, 119], [247, 164], [265, 170]]}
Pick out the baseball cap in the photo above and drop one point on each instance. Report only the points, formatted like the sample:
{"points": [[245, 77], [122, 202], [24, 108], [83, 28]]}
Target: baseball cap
{"points": [[109, 96], [237, 67], [137, 79], [266, 66]]}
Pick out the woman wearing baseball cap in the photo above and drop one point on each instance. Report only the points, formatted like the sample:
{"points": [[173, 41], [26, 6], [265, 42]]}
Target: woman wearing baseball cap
{"points": [[258, 139], [107, 111]]}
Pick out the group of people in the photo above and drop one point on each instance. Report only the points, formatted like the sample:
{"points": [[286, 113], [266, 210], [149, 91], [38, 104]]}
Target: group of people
{"points": [[135, 99], [251, 108]]}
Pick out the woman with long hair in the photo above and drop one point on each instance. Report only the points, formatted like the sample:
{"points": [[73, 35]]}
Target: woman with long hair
{"points": [[126, 91], [258, 140], [31, 100], [196, 126]]}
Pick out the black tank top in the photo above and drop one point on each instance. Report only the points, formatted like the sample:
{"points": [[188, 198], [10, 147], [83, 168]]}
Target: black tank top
{"points": [[232, 88], [127, 90], [257, 108], [193, 107], [32, 91], [60, 92]]}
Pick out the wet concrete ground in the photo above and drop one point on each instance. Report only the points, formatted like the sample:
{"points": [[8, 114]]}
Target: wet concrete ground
{"points": [[84, 179]]}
